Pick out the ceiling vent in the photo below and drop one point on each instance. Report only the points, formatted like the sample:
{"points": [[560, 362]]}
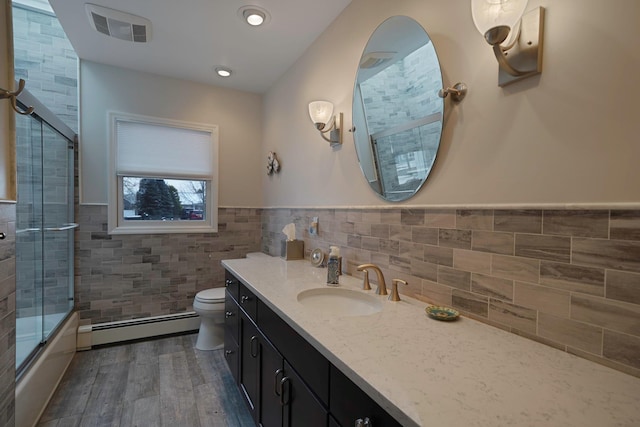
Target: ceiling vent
{"points": [[375, 59], [120, 25]]}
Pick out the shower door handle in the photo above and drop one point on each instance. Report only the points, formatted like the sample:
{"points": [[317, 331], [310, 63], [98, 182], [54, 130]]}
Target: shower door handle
{"points": [[64, 227], [27, 230]]}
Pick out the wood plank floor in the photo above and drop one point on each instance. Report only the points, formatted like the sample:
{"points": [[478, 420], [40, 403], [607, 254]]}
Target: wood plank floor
{"points": [[164, 382]]}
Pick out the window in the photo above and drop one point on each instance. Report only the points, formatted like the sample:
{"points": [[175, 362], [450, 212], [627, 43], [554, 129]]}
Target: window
{"points": [[164, 176]]}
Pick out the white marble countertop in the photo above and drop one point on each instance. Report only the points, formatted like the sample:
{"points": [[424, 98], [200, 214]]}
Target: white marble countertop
{"points": [[426, 372]]}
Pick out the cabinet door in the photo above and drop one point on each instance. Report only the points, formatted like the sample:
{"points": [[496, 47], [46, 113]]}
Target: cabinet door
{"points": [[232, 356], [301, 406], [307, 361], [271, 375], [349, 403], [249, 362]]}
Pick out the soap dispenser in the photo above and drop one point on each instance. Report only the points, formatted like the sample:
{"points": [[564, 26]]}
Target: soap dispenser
{"points": [[333, 266]]}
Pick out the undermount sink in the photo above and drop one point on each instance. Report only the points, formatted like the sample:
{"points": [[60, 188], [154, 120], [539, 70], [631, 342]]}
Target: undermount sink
{"points": [[340, 301]]}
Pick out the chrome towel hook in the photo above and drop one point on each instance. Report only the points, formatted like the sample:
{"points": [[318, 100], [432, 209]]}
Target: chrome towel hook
{"points": [[5, 94]]}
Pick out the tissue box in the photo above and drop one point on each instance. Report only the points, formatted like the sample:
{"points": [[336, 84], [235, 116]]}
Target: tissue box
{"points": [[292, 249]]}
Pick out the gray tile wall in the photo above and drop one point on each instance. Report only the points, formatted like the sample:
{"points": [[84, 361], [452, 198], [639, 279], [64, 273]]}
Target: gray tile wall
{"points": [[566, 278], [45, 58], [7, 314], [121, 277]]}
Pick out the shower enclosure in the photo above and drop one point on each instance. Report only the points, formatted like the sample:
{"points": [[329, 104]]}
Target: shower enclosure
{"points": [[44, 227]]}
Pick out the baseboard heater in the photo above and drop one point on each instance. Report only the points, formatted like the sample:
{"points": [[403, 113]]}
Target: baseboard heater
{"points": [[134, 329]]}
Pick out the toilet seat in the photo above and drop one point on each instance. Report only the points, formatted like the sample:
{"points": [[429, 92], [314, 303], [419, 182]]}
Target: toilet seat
{"points": [[210, 296]]}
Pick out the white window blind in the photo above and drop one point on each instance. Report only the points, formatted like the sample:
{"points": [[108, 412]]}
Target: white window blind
{"points": [[156, 150]]}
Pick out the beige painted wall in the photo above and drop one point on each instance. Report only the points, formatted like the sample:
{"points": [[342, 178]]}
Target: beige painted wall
{"points": [[567, 136], [238, 115], [7, 131]]}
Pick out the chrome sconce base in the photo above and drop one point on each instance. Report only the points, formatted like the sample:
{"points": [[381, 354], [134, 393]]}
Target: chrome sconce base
{"points": [[334, 131], [457, 92], [524, 58]]}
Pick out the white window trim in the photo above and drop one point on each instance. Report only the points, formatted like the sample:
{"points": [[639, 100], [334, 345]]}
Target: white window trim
{"points": [[116, 223]]}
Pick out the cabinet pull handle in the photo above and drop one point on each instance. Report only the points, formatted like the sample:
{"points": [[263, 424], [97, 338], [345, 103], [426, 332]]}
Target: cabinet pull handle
{"points": [[228, 314], [363, 423], [283, 381], [253, 339], [276, 382], [228, 352], [244, 299], [228, 283]]}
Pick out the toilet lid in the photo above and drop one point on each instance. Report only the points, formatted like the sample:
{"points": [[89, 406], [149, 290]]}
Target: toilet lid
{"points": [[211, 295]]}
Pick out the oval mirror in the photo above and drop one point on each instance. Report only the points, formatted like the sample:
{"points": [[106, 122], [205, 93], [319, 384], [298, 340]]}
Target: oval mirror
{"points": [[397, 113]]}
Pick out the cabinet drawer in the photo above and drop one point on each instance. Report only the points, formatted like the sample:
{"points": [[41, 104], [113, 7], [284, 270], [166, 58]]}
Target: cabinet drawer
{"points": [[247, 301], [349, 403], [232, 284], [303, 357], [231, 318]]}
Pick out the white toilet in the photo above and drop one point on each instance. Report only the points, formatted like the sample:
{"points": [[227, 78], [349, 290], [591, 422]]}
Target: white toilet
{"points": [[209, 305]]}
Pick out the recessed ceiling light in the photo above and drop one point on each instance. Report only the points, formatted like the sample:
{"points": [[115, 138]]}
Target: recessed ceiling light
{"points": [[223, 71], [253, 15]]}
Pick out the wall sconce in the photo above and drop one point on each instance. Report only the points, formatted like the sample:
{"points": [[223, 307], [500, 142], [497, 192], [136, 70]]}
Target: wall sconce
{"points": [[516, 36], [321, 113]]}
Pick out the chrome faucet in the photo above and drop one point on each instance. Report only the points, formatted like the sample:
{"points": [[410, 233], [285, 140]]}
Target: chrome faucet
{"points": [[382, 287]]}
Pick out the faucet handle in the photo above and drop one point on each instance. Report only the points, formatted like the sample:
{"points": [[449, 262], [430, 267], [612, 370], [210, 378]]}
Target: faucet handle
{"points": [[365, 281], [395, 296]]}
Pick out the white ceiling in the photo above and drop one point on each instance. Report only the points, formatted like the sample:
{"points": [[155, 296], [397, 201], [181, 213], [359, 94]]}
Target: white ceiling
{"points": [[189, 38]]}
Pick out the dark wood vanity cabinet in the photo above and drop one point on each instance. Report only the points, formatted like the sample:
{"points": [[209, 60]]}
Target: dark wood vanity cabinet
{"points": [[284, 380]]}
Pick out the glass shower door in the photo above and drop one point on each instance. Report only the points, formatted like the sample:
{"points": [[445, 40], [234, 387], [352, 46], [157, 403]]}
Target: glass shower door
{"points": [[44, 233], [29, 274], [58, 228]]}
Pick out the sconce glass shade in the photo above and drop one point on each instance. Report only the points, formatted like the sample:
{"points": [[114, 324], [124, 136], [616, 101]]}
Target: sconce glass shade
{"points": [[320, 112], [489, 14]]}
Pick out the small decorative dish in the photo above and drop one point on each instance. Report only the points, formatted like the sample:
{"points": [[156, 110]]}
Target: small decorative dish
{"points": [[317, 257], [442, 313]]}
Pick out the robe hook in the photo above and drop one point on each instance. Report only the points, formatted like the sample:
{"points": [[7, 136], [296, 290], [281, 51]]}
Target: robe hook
{"points": [[5, 94]]}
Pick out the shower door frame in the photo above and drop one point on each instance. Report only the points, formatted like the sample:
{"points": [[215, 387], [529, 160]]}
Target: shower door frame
{"points": [[53, 124]]}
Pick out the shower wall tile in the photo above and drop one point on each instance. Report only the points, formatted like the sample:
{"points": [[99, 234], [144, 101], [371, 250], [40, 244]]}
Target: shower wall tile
{"points": [[569, 279]]}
